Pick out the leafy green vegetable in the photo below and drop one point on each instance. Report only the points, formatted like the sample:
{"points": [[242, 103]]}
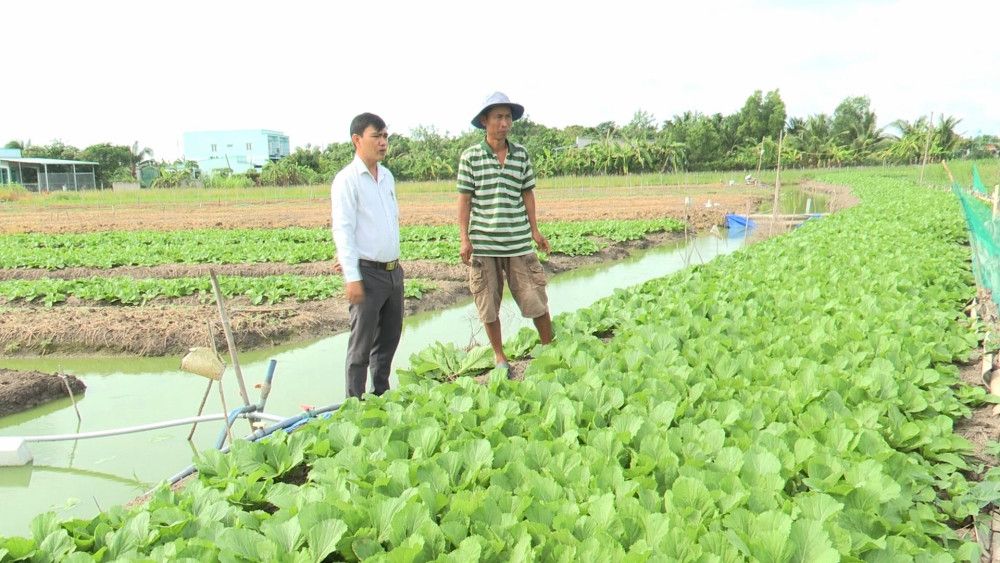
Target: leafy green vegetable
{"points": [[132, 291], [292, 245], [791, 402]]}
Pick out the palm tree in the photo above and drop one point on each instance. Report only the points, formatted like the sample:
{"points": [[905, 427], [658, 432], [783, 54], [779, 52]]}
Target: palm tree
{"points": [[908, 145], [945, 133], [813, 138]]}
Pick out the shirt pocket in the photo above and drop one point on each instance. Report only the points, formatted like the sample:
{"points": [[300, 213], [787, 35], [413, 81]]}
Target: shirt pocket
{"points": [[393, 206]]}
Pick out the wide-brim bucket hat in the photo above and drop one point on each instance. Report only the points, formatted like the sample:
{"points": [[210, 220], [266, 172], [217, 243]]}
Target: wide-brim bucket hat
{"points": [[498, 99]]}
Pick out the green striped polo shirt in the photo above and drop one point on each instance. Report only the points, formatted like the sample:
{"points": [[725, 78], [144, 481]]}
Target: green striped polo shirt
{"points": [[498, 225]]}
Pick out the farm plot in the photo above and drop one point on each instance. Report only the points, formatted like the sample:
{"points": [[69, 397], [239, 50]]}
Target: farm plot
{"points": [[792, 402], [164, 211], [148, 292]]}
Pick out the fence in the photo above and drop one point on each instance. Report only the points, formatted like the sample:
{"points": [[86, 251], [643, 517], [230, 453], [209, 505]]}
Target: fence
{"points": [[61, 181], [982, 215]]}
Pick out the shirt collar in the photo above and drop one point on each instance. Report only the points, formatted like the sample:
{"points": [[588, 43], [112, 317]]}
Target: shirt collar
{"points": [[489, 149], [359, 165]]}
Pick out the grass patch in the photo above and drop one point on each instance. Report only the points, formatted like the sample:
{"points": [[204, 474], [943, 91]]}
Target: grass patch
{"points": [[934, 174], [13, 192]]}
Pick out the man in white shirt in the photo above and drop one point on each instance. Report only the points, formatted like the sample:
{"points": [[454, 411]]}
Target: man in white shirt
{"points": [[365, 222]]}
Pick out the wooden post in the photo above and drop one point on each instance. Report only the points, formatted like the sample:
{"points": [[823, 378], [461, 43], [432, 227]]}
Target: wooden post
{"points": [[996, 200], [760, 161], [687, 221], [777, 186], [230, 342], [948, 171], [927, 146], [777, 176]]}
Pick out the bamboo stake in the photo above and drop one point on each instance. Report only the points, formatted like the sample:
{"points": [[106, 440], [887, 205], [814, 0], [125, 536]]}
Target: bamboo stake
{"points": [[777, 175], [927, 146], [72, 397], [230, 341], [986, 370], [996, 200], [760, 161], [687, 221], [204, 399], [995, 539], [225, 409], [948, 171], [777, 186], [201, 407]]}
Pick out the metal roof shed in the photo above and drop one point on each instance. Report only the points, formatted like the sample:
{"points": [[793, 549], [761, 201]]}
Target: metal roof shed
{"points": [[35, 175]]}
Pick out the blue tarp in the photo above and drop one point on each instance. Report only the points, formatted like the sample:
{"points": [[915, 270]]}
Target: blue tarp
{"points": [[734, 221], [739, 226]]}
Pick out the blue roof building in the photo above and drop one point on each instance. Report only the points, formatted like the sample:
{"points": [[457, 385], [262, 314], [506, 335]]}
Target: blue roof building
{"points": [[238, 150]]}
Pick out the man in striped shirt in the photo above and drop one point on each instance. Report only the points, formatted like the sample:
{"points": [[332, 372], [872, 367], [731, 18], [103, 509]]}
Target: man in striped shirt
{"points": [[496, 220]]}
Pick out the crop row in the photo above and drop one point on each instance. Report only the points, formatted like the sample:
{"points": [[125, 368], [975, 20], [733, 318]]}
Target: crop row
{"points": [[288, 245], [121, 290], [791, 402]]}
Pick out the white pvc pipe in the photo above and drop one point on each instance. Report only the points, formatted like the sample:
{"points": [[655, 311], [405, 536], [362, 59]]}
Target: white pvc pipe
{"points": [[119, 431], [265, 416]]}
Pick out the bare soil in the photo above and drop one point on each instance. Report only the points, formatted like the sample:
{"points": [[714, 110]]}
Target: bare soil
{"points": [[435, 208], [23, 390], [167, 327]]}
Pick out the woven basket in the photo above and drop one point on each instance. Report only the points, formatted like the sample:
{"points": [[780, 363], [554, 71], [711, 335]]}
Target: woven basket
{"points": [[204, 362]]}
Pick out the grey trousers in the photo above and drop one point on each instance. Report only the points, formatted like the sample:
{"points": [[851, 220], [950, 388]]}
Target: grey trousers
{"points": [[376, 324]]}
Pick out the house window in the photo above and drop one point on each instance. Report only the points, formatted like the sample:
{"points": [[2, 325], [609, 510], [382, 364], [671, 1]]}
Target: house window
{"points": [[215, 148], [249, 146]]}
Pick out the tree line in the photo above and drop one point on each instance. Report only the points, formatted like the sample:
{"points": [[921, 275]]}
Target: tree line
{"points": [[690, 141]]}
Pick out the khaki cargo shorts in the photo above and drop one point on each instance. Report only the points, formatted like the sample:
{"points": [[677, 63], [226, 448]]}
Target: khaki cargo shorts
{"points": [[525, 278]]}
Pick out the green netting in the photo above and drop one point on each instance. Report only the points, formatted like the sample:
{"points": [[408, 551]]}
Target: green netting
{"points": [[977, 182], [984, 238]]}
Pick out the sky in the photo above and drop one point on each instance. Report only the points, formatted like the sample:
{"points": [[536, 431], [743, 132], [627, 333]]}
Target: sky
{"points": [[147, 71]]}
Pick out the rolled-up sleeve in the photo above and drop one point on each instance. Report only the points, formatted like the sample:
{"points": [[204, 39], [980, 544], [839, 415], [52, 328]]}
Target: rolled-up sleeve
{"points": [[343, 198]]}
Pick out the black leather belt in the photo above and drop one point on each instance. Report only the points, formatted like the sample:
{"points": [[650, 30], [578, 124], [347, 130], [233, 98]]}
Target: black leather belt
{"points": [[387, 266]]}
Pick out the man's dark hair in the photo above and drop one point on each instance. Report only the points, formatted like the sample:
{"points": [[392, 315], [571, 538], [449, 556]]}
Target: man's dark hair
{"points": [[362, 121]]}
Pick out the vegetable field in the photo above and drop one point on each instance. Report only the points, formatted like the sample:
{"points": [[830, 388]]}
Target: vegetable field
{"points": [[794, 401], [105, 251], [68, 274], [289, 245]]}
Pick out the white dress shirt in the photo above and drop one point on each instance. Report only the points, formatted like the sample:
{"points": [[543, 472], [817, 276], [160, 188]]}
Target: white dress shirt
{"points": [[365, 217]]}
